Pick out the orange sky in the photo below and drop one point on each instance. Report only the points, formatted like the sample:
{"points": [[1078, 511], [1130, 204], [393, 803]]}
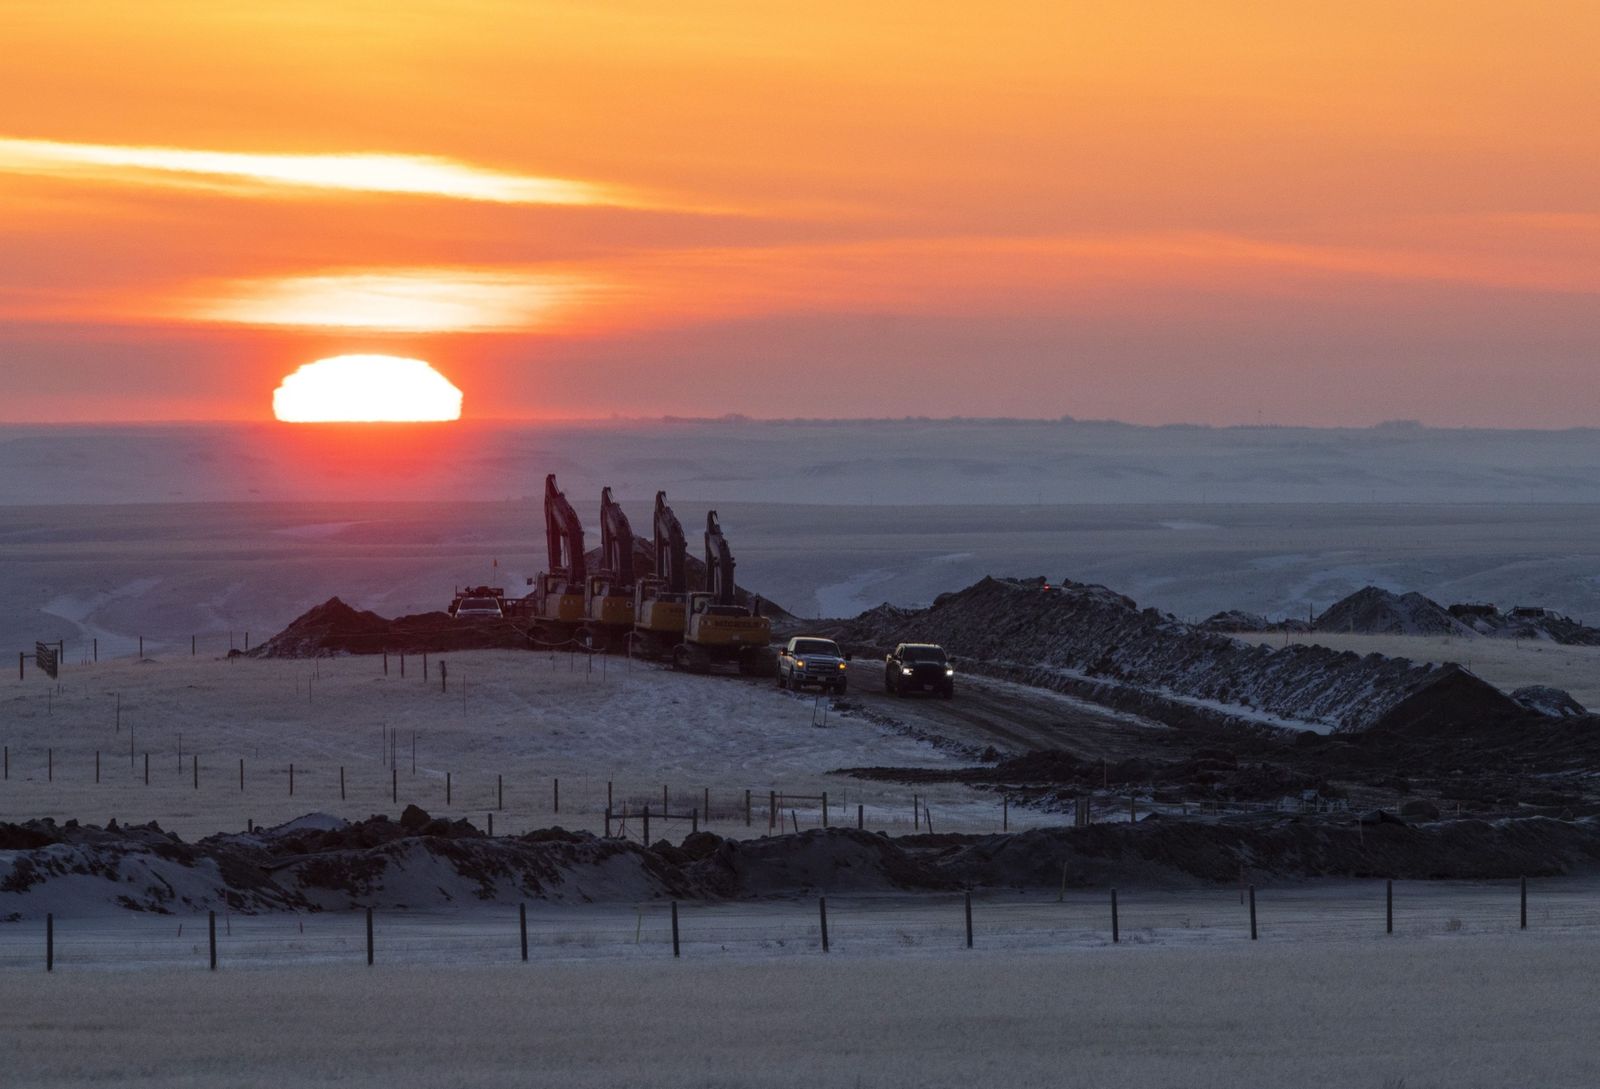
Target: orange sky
{"points": [[1221, 212]]}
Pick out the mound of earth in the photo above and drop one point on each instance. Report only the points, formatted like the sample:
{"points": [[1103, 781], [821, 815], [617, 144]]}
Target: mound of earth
{"points": [[425, 864], [1546, 700], [1099, 645], [337, 628], [1375, 611]]}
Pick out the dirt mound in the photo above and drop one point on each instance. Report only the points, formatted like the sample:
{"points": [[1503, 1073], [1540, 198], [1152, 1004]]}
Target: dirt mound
{"points": [[336, 628], [1546, 700], [1097, 644], [83, 870], [1376, 611]]}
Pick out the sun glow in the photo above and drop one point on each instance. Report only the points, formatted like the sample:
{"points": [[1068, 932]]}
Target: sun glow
{"points": [[366, 389]]}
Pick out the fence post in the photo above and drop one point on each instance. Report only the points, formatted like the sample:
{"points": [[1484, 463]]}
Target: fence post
{"points": [[666, 806], [608, 822], [861, 817], [49, 765], [291, 780], [822, 911], [646, 835], [500, 791], [241, 775], [522, 925], [555, 795], [916, 814], [694, 820], [1388, 907], [191, 646], [491, 825], [772, 810], [1005, 814], [705, 805], [1115, 937], [211, 928], [341, 782], [747, 809], [608, 793], [97, 765], [369, 937], [49, 942], [196, 770], [674, 928], [447, 788], [969, 920], [386, 662], [1524, 924], [1252, 913], [146, 769], [824, 809], [394, 786]]}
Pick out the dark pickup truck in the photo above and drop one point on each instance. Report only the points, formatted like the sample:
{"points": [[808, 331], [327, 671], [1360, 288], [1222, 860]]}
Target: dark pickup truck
{"points": [[914, 667]]}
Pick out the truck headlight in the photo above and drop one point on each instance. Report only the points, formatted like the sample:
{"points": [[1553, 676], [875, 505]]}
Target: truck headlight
{"points": [[841, 665], [905, 671], [949, 672], [799, 663]]}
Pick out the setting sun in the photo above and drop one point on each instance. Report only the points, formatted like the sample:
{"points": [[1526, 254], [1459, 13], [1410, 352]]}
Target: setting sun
{"points": [[366, 389]]}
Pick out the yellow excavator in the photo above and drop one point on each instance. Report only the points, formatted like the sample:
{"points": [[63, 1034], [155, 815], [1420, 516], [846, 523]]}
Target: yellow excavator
{"points": [[609, 591], [558, 591], [660, 601], [718, 630]]}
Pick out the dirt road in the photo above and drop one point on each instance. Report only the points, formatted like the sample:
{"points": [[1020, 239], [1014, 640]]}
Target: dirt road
{"points": [[1013, 718]]}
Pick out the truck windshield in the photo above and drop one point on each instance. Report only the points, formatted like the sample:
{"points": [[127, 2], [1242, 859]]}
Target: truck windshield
{"points": [[817, 646], [923, 654]]}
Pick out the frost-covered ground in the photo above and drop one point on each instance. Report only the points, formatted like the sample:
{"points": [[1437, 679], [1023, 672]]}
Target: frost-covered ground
{"points": [[526, 720], [1435, 1006]]}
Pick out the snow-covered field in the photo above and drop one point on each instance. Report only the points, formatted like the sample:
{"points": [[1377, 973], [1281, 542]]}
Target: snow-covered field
{"points": [[1451, 1008], [525, 720]]}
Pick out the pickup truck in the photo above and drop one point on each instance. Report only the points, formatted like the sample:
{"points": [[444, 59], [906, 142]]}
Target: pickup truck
{"points": [[808, 659], [917, 666]]}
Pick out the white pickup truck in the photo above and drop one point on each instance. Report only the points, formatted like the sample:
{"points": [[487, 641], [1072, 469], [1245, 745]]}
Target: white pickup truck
{"points": [[808, 659]]}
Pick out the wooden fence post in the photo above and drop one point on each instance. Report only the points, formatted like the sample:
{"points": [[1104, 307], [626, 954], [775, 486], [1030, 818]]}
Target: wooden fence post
{"points": [[705, 805], [491, 824], [1005, 814], [824, 809], [211, 928], [291, 780], [146, 769], [369, 937], [1524, 923], [822, 911], [49, 942], [197, 771], [646, 835], [341, 782], [555, 795], [1115, 937], [674, 928], [447, 788], [97, 765], [500, 791], [1252, 913], [1388, 907], [772, 810], [241, 775], [747, 809], [861, 817], [394, 786], [969, 920], [522, 925]]}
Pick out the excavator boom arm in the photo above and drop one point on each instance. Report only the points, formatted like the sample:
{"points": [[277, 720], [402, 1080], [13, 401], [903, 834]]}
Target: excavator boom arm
{"points": [[672, 548], [616, 540], [563, 533]]}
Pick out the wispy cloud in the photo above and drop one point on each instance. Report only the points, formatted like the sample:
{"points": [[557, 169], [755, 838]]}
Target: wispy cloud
{"points": [[400, 300], [359, 172]]}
